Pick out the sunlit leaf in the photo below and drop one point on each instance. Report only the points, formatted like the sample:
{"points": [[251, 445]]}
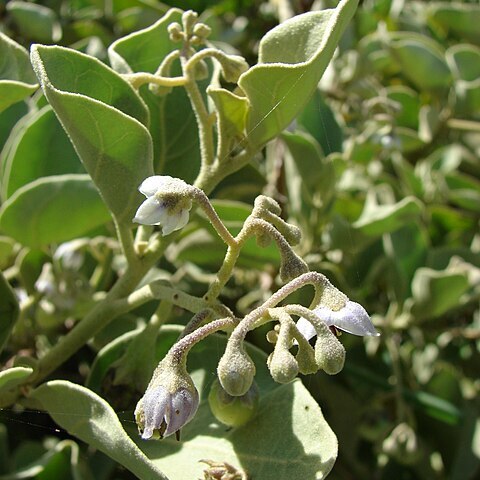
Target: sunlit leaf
{"points": [[292, 59], [53, 209], [17, 79], [42, 149], [101, 114], [90, 418]]}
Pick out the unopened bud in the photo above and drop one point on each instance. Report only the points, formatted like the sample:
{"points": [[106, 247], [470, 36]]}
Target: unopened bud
{"points": [[175, 32], [267, 203], [306, 359], [282, 365], [189, 18], [201, 30], [292, 233], [329, 352], [292, 265], [236, 371], [232, 67], [272, 337]]}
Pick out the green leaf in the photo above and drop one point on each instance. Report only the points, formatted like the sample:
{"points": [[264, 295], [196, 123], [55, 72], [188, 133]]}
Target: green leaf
{"points": [[143, 51], [90, 418], [32, 461], [9, 310], [13, 376], [302, 443], [17, 79], [292, 59], [408, 103], [30, 264], [35, 22], [460, 19], [464, 190], [319, 120], [41, 150], [436, 292], [464, 61], [407, 249], [309, 176], [114, 146], [8, 120], [53, 209], [8, 249], [231, 109], [421, 60], [378, 219]]}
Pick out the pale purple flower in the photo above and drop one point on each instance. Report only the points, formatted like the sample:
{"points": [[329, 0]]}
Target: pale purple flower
{"points": [[161, 413], [352, 318]]}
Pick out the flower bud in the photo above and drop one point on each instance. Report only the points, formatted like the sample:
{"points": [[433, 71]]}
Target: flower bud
{"points": [[292, 265], [230, 410], [170, 401], [236, 371], [201, 30], [189, 19], [262, 202], [329, 352], [305, 357], [292, 234], [282, 365], [232, 67], [175, 32]]}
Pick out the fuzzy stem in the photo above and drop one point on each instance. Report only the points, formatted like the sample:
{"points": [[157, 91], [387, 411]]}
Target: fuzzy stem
{"points": [[136, 80], [125, 237], [319, 282], [180, 349], [204, 121], [212, 215]]}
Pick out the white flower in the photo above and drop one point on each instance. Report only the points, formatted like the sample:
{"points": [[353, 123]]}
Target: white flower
{"points": [[352, 318], [167, 203], [161, 413]]}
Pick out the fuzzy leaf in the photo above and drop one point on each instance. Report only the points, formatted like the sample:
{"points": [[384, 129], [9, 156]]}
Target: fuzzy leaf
{"points": [[17, 79], [53, 209], [102, 115], [292, 59]]}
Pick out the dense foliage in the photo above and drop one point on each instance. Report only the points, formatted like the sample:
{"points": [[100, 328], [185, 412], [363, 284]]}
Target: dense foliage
{"points": [[380, 170]]}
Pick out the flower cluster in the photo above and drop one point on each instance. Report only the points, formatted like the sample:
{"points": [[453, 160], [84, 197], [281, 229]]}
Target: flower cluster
{"points": [[171, 398]]}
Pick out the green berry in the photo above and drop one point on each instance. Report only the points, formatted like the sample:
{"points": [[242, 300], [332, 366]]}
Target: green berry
{"points": [[230, 410]]}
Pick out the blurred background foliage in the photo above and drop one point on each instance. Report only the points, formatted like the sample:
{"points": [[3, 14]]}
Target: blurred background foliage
{"points": [[381, 172]]}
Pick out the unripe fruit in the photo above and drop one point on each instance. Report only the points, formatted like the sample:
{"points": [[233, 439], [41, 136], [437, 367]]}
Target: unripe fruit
{"points": [[233, 411]]}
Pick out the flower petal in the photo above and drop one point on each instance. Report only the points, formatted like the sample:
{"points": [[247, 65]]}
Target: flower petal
{"points": [[183, 407], [152, 185], [151, 212], [156, 405], [352, 318], [306, 328], [174, 222]]}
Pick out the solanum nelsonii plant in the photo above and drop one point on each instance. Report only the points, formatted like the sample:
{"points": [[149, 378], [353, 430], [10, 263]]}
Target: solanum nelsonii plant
{"points": [[113, 123]]}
